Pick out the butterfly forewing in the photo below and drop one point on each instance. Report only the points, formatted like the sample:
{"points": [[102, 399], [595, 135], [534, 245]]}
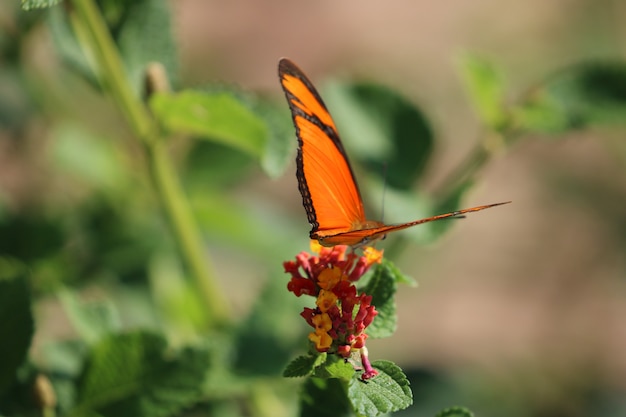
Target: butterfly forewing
{"points": [[330, 194]]}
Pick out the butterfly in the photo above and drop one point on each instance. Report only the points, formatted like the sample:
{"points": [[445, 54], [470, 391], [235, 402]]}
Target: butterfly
{"points": [[330, 194]]}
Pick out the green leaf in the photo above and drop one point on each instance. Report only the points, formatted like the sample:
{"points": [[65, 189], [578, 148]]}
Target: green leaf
{"points": [[387, 392], [214, 116], [303, 365], [34, 236], [214, 166], [485, 85], [270, 334], [455, 412], [281, 142], [16, 317], [66, 358], [92, 320], [144, 35], [382, 287], [141, 29], [583, 95], [324, 397], [38, 4], [134, 375], [389, 133], [88, 159], [181, 311], [335, 367], [68, 48]]}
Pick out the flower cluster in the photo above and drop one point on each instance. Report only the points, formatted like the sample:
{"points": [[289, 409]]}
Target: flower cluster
{"points": [[342, 314]]}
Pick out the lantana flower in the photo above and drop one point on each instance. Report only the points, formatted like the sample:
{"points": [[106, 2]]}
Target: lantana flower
{"points": [[341, 315]]}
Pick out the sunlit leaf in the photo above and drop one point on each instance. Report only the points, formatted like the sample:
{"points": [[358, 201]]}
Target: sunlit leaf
{"points": [[335, 367], [218, 117], [485, 85]]}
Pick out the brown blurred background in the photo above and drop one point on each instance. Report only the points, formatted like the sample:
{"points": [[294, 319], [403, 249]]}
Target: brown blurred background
{"points": [[524, 303]]}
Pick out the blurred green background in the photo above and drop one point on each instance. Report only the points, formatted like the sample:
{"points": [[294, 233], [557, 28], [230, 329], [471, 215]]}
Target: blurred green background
{"points": [[519, 310]]}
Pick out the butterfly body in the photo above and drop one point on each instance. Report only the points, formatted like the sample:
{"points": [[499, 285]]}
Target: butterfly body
{"points": [[329, 190]]}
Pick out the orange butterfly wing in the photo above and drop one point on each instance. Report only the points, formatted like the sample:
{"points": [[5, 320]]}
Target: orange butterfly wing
{"points": [[329, 191]]}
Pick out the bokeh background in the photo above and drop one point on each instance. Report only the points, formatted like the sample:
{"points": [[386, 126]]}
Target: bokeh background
{"points": [[520, 309]]}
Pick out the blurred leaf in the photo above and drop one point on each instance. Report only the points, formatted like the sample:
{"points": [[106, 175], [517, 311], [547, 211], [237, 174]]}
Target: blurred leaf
{"points": [[64, 361], [144, 35], [324, 398], [334, 367], [68, 47], [38, 4], [385, 130], [543, 113], [485, 85], [33, 236], [303, 365], [134, 375], [16, 317], [141, 29], [94, 161], [387, 392], [177, 299], [281, 143], [455, 412], [92, 320], [271, 331], [67, 356], [215, 165], [218, 117], [17, 104], [582, 95]]}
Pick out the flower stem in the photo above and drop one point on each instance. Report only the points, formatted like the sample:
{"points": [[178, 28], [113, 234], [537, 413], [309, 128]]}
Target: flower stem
{"points": [[96, 39]]}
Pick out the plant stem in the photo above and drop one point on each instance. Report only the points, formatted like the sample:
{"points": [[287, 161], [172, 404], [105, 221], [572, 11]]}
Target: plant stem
{"points": [[92, 31], [89, 23], [178, 210], [470, 166]]}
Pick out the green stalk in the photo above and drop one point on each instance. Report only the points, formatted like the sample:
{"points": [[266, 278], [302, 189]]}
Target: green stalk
{"points": [[471, 165], [183, 224], [92, 31]]}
